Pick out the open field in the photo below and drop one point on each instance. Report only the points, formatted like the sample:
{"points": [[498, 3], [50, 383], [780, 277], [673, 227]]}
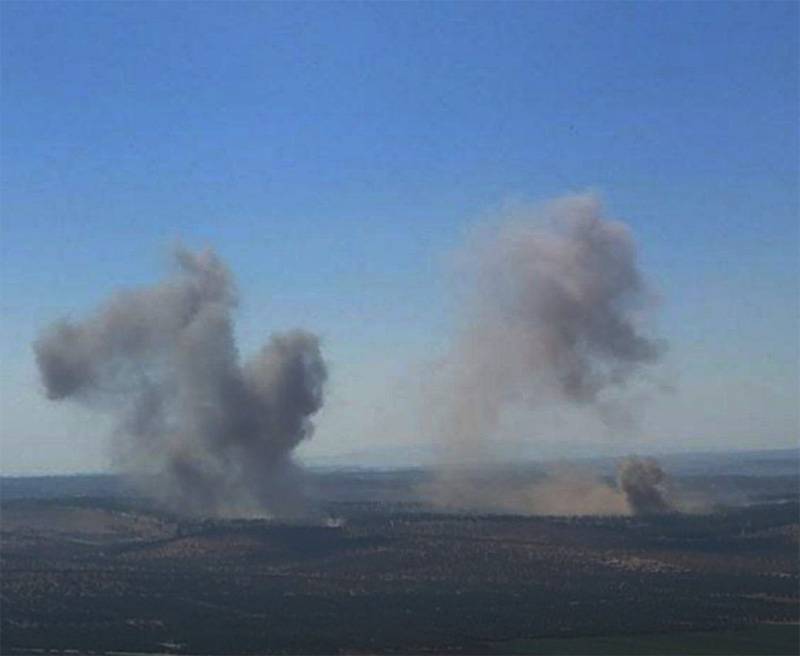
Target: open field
{"points": [[112, 573], [763, 639]]}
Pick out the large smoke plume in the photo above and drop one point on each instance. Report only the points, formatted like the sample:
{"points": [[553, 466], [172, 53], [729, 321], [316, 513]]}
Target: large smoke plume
{"points": [[217, 433], [554, 309]]}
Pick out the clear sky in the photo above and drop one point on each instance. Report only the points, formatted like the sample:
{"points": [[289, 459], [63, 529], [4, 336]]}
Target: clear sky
{"points": [[334, 153]]}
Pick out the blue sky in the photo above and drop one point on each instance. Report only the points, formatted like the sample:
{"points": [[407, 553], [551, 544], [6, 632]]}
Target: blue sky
{"points": [[334, 153]]}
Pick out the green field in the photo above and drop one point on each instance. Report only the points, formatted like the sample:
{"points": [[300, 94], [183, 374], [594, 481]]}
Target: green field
{"points": [[767, 639]]}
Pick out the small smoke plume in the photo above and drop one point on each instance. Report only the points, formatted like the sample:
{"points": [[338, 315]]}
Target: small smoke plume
{"points": [[553, 317], [642, 481], [163, 361]]}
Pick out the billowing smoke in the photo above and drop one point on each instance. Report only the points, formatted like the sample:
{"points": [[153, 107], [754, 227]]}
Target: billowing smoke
{"points": [[554, 315], [642, 481], [218, 434]]}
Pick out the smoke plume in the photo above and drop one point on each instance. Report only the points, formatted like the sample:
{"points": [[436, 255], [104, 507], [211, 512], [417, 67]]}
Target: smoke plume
{"points": [[218, 433], [642, 481], [554, 309]]}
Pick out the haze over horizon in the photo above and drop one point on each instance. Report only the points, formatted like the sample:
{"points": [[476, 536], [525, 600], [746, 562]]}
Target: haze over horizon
{"points": [[336, 155]]}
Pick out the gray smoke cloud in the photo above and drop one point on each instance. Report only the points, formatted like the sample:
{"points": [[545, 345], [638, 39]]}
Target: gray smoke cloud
{"points": [[554, 315], [219, 434], [643, 482]]}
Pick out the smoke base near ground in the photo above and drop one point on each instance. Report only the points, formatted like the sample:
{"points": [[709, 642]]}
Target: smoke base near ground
{"points": [[640, 487]]}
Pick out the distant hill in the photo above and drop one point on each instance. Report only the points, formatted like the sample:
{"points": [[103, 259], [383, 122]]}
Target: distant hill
{"points": [[74, 485]]}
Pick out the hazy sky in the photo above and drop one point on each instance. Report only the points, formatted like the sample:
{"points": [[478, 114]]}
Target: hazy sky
{"points": [[334, 154]]}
